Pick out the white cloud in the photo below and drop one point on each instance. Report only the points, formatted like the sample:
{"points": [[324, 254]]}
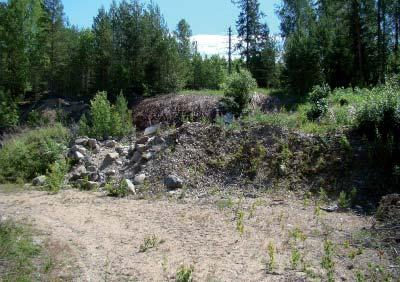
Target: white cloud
{"points": [[211, 44]]}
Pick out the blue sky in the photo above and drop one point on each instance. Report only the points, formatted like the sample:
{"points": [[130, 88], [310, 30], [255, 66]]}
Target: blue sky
{"points": [[204, 16], [209, 19]]}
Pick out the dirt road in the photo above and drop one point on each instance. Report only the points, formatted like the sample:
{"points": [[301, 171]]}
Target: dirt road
{"points": [[104, 236]]}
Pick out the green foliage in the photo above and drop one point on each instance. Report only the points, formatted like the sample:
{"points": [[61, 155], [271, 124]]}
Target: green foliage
{"points": [[238, 90], [56, 175], [119, 189], [240, 222], [318, 99], [18, 251], [184, 274], [295, 258], [327, 262], [150, 242], [106, 119], [36, 119], [271, 264], [207, 72], [9, 116], [30, 154]]}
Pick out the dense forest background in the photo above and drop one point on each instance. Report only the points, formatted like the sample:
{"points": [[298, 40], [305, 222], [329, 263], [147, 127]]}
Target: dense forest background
{"points": [[130, 49]]}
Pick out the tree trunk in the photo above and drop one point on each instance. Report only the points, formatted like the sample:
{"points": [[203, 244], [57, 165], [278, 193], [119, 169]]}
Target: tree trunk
{"points": [[357, 41]]}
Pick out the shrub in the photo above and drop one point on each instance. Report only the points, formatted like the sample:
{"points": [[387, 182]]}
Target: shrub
{"points": [[105, 119], [185, 274], [319, 104], [379, 119], [56, 175], [117, 189], [31, 154], [238, 90], [8, 111], [36, 119]]}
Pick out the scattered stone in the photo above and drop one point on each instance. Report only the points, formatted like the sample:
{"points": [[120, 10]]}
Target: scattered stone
{"points": [[139, 179], [78, 156], [91, 168], [151, 130], [156, 140], [78, 173], [147, 156], [136, 157], [143, 140], [130, 186], [141, 148], [331, 208], [118, 162], [94, 176], [79, 148], [92, 143], [111, 144], [111, 172], [96, 149], [228, 118], [81, 141], [39, 181], [173, 182], [111, 157], [155, 149]]}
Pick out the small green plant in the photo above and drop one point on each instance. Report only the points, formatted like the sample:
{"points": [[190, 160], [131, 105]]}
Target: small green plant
{"points": [[237, 91], [150, 242], [297, 234], [327, 262], [360, 277], [345, 143], [271, 263], [295, 258], [119, 189], [36, 119], [240, 222], [323, 196], [56, 175], [105, 119], [319, 103], [225, 204], [184, 274], [346, 200]]}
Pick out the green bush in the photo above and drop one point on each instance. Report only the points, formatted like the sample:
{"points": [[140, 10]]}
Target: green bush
{"points": [[9, 116], [238, 90], [31, 154], [105, 119], [56, 175], [379, 119], [319, 103]]}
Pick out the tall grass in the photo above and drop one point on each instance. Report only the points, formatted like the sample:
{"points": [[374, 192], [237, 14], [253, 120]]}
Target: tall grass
{"points": [[28, 155]]}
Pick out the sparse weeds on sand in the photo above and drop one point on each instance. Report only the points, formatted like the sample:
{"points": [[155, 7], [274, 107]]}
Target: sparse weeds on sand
{"points": [[257, 203], [240, 222], [295, 258], [271, 261], [150, 242], [184, 273], [297, 234], [327, 261]]}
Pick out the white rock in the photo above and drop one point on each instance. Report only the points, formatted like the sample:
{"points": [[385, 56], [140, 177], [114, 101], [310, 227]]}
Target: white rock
{"points": [[39, 181], [81, 141], [111, 144], [151, 130], [130, 186], [139, 179]]}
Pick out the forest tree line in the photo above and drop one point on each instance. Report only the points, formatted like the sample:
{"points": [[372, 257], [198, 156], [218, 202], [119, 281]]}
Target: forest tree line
{"points": [[130, 48]]}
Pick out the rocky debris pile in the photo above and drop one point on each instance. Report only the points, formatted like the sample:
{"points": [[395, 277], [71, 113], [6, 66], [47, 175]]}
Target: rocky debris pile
{"points": [[389, 209], [99, 162]]}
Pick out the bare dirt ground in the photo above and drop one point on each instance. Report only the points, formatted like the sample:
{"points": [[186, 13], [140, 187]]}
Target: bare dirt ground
{"points": [[104, 236]]}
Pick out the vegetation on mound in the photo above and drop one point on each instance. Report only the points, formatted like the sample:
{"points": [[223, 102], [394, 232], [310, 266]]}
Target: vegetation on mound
{"points": [[32, 153], [21, 258], [105, 120]]}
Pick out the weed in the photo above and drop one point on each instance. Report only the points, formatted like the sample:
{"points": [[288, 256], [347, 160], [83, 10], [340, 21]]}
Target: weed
{"points": [[56, 175], [355, 252], [345, 200], [184, 274], [150, 242], [271, 263], [360, 277], [295, 258], [344, 143], [323, 196], [117, 189], [225, 204], [327, 262], [240, 222], [297, 234]]}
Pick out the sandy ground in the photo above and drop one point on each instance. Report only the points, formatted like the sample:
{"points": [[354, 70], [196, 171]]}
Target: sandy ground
{"points": [[104, 236]]}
